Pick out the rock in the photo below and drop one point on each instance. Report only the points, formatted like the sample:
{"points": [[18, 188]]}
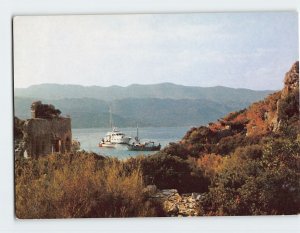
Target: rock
{"points": [[291, 80], [175, 204], [169, 192], [291, 83], [150, 190], [172, 209]]}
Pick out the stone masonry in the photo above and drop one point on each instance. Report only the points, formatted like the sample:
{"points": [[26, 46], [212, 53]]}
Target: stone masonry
{"points": [[46, 132]]}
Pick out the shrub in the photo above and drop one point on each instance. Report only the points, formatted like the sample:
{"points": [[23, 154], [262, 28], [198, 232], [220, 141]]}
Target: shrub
{"points": [[247, 185], [176, 149], [79, 185], [251, 151], [18, 124], [289, 106], [210, 164], [200, 135], [229, 144], [169, 172]]}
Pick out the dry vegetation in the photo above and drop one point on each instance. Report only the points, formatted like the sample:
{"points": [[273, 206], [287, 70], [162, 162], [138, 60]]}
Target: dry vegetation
{"points": [[79, 185], [244, 164]]}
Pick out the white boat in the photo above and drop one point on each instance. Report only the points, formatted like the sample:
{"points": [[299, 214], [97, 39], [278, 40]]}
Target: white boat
{"points": [[114, 137], [106, 144]]}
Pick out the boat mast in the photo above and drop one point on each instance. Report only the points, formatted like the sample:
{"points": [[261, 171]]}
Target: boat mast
{"points": [[137, 133], [110, 118]]}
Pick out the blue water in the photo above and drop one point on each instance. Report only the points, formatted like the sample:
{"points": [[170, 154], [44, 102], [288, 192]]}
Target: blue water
{"points": [[89, 139]]}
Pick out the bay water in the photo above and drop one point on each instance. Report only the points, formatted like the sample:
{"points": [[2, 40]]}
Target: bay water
{"points": [[89, 139]]}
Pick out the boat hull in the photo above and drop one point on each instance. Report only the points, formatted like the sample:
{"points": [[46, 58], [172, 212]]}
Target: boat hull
{"points": [[107, 145], [143, 148]]}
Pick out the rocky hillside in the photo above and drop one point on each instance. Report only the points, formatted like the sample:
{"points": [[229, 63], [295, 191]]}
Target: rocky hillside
{"points": [[246, 163], [278, 112]]}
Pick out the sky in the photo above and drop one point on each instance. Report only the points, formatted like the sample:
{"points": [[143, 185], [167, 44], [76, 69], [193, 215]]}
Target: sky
{"points": [[239, 50]]}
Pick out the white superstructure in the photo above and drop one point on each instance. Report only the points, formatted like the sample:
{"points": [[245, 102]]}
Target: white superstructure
{"points": [[116, 137]]}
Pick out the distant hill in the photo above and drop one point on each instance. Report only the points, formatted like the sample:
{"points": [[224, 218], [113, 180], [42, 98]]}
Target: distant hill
{"points": [[163, 104], [88, 113], [162, 91]]}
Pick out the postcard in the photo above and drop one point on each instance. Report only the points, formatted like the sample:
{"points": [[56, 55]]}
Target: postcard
{"points": [[156, 115]]}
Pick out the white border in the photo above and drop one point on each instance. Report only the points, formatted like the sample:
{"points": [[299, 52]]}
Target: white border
{"points": [[10, 8]]}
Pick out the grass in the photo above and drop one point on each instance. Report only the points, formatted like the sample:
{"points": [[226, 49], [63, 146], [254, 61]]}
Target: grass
{"points": [[79, 185]]}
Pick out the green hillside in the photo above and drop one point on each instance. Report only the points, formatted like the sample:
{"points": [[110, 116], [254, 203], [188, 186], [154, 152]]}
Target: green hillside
{"points": [[162, 91], [88, 113], [164, 104]]}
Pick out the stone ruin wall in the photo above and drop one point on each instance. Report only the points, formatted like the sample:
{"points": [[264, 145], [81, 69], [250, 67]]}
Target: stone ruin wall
{"points": [[46, 132], [44, 136]]}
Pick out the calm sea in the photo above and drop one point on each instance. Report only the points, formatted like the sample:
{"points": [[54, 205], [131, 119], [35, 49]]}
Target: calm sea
{"points": [[89, 139]]}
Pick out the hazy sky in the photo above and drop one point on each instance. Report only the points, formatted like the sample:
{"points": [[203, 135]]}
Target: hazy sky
{"points": [[249, 50]]}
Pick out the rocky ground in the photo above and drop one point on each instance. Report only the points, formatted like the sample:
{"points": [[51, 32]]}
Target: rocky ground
{"points": [[175, 204]]}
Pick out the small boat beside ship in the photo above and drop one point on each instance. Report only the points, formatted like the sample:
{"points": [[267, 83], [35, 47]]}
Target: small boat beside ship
{"points": [[142, 146], [145, 146]]}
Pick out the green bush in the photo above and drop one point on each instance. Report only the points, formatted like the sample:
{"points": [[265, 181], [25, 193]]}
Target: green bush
{"points": [[250, 152], [250, 184], [168, 172], [289, 106], [176, 149]]}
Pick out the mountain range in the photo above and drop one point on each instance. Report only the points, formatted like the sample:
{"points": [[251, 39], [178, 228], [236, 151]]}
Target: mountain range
{"points": [[164, 104]]}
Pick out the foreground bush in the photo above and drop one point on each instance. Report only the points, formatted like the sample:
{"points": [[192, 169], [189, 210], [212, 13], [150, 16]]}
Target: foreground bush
{"points": [[258, 181], [79, 185], [171, 172]]}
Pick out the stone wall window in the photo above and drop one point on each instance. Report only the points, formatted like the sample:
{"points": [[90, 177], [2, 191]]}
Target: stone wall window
{"points": [[56, 145], [68, 144]]}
